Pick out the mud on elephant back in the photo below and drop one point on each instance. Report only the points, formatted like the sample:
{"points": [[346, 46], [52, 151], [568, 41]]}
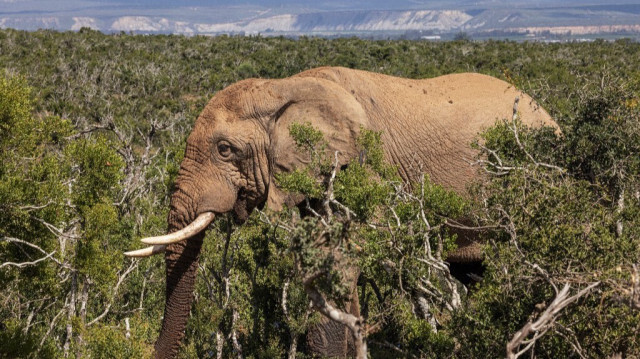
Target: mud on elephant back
{"points": [[241, 140]]}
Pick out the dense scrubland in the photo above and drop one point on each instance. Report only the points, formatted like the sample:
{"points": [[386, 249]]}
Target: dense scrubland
{"points": [[92, 130]]}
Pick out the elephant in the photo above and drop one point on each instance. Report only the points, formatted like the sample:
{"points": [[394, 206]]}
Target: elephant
{"points": [[241, 140]]}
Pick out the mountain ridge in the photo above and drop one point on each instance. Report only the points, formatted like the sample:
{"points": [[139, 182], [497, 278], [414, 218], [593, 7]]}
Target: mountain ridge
{"points": [[252, 19]]}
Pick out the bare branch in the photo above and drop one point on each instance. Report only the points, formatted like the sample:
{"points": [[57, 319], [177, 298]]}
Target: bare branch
{"points": [[328, 195], [38, 248], [388, 345], [514, 129], [346, 209], [355, 324], [315, 213], [455, 224], [31, 208], [234, 336], [544, 321], [127, 328], [635, 287], [219, 344], [285, 289], [53, 324], [91, 129], [121, 278], [544, 274], [55, 230], [570, 336], [293, 334], [26, 264]]}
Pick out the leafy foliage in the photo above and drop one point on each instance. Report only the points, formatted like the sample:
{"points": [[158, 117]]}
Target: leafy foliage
{"points": [[561, 224], [92, 138], [397, 241]]}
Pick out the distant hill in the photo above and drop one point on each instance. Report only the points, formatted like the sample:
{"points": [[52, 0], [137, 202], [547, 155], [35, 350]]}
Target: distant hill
{"points": [[475, 18]]}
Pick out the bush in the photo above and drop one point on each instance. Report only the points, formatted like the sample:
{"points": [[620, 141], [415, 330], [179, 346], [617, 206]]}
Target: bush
{"points": [[92, 138], [573, 222]]}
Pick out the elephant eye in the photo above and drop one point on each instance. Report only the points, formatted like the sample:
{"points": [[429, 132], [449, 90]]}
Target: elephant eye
{"points": [[224, 149]]}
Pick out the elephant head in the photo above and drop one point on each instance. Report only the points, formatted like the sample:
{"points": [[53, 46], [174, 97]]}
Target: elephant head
{"points": [[237, 143]]}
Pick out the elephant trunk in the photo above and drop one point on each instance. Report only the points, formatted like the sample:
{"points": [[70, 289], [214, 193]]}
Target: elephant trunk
{"points": [[181, 265]]}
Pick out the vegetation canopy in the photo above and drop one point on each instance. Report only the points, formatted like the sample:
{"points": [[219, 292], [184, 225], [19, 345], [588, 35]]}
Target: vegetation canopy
{"points": [[92, 138]]}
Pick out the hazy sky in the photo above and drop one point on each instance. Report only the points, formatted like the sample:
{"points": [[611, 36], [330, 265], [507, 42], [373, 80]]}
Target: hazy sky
{"points": [[13, 6], [335, 4], [58, 6]]}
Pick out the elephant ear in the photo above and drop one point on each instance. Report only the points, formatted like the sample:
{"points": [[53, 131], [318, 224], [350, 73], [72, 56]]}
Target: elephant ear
{"points": [[324, 104]]}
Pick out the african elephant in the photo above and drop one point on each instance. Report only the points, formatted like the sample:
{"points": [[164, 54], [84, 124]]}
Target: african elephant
{"points": [[241, 139]]}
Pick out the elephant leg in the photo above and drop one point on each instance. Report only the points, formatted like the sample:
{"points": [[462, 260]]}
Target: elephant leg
{"points": [[329, 339], [465, 263], [332, 339]]}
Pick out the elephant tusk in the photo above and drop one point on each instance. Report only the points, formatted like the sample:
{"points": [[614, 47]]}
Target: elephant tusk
{"points": [[146, 252], [195, 227]]}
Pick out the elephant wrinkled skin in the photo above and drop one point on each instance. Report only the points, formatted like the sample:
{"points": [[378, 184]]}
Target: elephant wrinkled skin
{"points": [[241, 139]]}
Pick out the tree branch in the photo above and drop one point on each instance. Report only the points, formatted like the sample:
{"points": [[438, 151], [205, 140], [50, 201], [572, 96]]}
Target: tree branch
{"points": [[38, 248], [355, 324], [544, 322], [514, 129], [121, 279], [328, 195]]}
